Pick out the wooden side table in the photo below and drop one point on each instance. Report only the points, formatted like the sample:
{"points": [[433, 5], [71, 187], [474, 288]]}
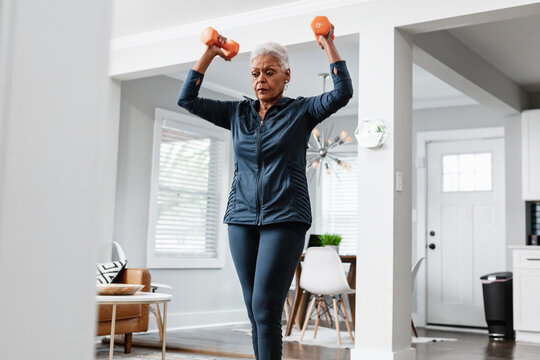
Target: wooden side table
{"points": [[139, 298], [300, 302]]}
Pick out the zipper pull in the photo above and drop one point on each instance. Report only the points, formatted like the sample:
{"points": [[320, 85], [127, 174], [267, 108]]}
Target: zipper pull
{"points": [[262, 122]]}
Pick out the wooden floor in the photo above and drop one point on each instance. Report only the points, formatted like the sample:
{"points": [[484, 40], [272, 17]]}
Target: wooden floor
{"points": [[223, 341]]}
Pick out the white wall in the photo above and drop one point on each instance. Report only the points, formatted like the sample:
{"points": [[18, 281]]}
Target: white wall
{"points": [[53, 115], [201, 296], [515, 206]]}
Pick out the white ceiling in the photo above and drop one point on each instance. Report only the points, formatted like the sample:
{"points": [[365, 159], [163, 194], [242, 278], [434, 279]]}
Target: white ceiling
{"points": [[512, 46], [140, 16]]}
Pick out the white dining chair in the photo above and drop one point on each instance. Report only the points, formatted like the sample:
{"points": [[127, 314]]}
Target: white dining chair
{"points": [[323, 274]]}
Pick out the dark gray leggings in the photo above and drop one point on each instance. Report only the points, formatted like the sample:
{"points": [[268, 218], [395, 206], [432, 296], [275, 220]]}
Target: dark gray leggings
{"points": [[265, 258]]}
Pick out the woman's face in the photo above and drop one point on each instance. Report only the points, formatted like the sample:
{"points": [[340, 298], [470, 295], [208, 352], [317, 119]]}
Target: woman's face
{"points": [[268, 78]]}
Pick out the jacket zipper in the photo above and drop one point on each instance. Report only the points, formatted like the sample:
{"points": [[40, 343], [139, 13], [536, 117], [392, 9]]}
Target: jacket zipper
{"points": [[259, 220]]}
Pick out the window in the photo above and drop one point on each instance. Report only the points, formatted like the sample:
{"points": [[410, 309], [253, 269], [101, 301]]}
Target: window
{"points": [[186, 195], [340, 204], [466, 172]]}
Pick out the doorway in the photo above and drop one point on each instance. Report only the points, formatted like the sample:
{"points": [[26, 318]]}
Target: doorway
{"points": [[457, 140], [465, 227]]}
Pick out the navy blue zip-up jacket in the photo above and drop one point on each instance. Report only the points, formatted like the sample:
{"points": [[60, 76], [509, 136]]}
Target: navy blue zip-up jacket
{"points": [[270, 184]]}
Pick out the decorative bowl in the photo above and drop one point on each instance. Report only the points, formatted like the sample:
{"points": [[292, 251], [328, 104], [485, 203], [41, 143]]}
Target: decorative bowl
{"points": [[118, 289]]}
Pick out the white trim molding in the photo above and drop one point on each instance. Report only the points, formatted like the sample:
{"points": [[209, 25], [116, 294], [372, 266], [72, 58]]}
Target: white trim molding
{"points": [[231, 21], [201, 319], [422, 139]]}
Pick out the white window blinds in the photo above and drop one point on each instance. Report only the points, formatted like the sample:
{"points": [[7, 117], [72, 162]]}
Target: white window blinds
{"points": [[339, 205], [187, 195]]}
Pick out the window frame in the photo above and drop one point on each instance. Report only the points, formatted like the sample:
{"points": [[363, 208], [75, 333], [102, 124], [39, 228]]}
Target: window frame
{"points": [[349, 154], [459, 174], [194, 124]]}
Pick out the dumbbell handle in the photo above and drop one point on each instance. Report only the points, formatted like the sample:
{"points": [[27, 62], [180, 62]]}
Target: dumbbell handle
{"points": [[321, 26], [230, 49], [211, 37]]}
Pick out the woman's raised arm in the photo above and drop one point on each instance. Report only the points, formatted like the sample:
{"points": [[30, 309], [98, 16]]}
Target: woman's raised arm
{"points": [[328, 45], [216, 111], [322, 106]]}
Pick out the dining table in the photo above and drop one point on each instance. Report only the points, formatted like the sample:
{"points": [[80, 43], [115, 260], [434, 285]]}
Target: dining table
{"points": [[301, 297]]}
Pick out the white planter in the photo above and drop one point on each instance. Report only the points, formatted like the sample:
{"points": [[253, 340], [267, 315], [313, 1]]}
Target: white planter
{"points": [[335, 247]]}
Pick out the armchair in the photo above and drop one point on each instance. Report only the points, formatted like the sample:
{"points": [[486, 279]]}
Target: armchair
{"points": [[129, 318]]}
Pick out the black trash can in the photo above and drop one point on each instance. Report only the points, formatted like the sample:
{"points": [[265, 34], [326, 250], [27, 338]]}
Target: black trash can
{"points": [[497, 289]]}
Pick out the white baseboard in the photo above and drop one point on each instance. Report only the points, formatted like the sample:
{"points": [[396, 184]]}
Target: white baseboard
{"points": [[375, 354], [190, 320], [456, 329], [528, 336]]}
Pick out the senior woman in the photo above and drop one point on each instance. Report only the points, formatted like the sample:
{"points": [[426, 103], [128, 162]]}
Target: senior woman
{"points": [[268, 210]]}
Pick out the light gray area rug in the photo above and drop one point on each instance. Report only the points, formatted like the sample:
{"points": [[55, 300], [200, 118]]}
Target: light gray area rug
{"points": [[102, 353], [325, 337]]}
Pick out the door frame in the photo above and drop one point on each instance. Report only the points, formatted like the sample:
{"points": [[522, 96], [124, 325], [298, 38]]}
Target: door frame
{"points": [[423, 138]]}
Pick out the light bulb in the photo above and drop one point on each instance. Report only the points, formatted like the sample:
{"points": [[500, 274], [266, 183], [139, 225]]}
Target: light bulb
{"points": [[348, 138], [315, 132], [343, 134], [316, 164]]}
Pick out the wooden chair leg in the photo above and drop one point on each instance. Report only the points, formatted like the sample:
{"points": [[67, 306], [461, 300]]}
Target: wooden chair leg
{"points": [[127, 343], [299, 297], [337, 320], [291, 303], [286, 308], [303, 307], [308, 315], [318, 321], [414, 328], [346, 317]]}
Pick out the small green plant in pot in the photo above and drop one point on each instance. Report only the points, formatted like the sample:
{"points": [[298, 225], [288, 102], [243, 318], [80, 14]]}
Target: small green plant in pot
{"points": [[331, 240]]}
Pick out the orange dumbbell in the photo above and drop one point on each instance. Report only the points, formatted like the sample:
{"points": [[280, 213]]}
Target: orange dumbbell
{"points": [[210, 37], [321, 26]]}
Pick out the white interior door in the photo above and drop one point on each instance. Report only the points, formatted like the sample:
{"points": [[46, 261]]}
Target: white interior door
{"points": [[465, 227]]}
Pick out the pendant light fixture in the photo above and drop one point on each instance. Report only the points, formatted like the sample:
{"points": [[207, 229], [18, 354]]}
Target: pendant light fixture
{"points": [[321, 154]]}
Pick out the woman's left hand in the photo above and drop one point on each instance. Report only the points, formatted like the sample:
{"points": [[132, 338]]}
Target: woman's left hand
{"points": [[323, 40]]}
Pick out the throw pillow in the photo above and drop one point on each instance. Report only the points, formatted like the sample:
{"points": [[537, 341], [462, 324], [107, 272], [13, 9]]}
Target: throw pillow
{"points": [[106, 273]]}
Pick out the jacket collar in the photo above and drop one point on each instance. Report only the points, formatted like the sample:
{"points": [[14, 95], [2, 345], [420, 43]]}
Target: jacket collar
{"points": [[280, 104]]}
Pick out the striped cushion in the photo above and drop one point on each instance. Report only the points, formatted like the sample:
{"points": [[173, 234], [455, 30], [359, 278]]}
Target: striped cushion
{"points": [[106, 273]]}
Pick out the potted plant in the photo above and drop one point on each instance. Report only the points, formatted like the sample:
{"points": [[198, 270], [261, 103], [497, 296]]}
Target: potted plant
{"points": [[330, 240]]}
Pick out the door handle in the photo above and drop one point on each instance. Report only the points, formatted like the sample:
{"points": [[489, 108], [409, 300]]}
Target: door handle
{"points": [[432, 246], [432, 233]]}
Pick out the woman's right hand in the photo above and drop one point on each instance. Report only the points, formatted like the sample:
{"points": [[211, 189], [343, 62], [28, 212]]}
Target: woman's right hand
{"points": [[216, 50], [209, 55]]}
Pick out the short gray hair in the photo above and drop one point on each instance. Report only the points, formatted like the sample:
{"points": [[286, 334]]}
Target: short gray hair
{"points": [[273, 49]]}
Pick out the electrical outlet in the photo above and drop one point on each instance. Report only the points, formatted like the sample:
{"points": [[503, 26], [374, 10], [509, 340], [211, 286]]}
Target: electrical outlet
{"points": [[399, 181]]}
